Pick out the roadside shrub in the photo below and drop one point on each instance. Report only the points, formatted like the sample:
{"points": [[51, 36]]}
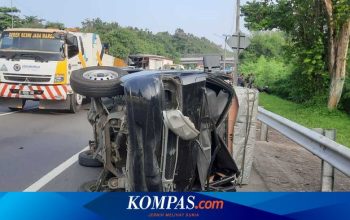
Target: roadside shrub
{"points": [[266, 71]]}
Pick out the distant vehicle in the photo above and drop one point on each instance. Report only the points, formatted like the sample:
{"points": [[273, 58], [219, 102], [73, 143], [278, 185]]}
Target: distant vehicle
{"points": [[149, 61], [36, 64], [174, 67]]}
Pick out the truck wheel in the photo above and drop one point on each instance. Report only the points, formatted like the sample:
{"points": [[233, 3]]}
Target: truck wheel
{"points": [[76, 101], [98, 81], [86, 160], [16, 108]]}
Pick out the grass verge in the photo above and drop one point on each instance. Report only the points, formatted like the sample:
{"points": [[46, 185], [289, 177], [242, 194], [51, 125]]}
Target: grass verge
{"points": [[309, 116]]}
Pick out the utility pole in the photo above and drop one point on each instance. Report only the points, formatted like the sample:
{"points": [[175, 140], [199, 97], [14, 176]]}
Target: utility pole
{"points": [[238, 12], [237, 19]]}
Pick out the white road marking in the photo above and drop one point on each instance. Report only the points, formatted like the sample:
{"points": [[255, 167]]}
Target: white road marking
{"points": [[10, 113], [13, 112], [54, 173]]}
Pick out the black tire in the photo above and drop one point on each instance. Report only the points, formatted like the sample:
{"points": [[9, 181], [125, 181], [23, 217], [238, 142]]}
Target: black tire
{"points": [[97, 88], [87, 186], [17, 109], [14, 109], [86, 160], [74, 107]]}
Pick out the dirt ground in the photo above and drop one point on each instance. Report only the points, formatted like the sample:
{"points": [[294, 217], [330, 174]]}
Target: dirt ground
{"points": [[281, 165]]}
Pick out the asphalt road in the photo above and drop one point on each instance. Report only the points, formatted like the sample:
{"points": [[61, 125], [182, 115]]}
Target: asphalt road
{"points": [[33, 142]]}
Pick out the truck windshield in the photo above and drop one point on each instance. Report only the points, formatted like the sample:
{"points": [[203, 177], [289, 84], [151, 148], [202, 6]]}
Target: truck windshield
{"points": [[31, 42]]}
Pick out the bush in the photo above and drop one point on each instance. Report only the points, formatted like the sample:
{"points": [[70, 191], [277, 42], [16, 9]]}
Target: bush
{"points": [[291, 72], [267, 72]]}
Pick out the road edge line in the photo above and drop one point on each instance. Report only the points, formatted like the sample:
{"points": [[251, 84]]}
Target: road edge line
{"points": [[54, 173], [13, 112], [10, 113]]}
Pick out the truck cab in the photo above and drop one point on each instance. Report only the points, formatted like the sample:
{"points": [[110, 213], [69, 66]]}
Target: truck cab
{"points": [[36, 64]]}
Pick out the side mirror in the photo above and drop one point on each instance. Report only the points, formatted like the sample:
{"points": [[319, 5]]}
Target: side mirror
{"points": [[73, 50], [106, 46], [105, 49], [70, 39]]}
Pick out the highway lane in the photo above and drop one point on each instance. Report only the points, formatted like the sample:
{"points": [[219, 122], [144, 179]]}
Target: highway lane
{"points": [[4, 110], [71, 179], [33, 142]]}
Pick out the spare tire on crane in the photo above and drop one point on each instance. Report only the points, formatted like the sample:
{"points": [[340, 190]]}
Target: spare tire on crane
{"points": [[98, 81]]}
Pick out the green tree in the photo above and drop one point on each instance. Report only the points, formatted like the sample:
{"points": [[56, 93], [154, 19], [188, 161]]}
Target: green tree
{"points": [[266, 59], [32, 22], [338, 29], [319, 30], [124, 41], [271, 44], [6, 17], [55, 25]]}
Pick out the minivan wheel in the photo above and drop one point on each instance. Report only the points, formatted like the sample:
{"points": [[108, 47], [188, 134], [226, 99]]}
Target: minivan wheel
{"points": [[86, 159]]}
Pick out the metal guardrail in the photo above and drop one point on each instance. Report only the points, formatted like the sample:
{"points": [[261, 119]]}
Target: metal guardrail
{"points": [[335, 154]]}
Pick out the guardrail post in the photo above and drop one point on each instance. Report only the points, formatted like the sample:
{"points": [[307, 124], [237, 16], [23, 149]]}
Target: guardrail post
{"points": [[327, 184], [335, 154], [263, 132], [327, 170]]}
